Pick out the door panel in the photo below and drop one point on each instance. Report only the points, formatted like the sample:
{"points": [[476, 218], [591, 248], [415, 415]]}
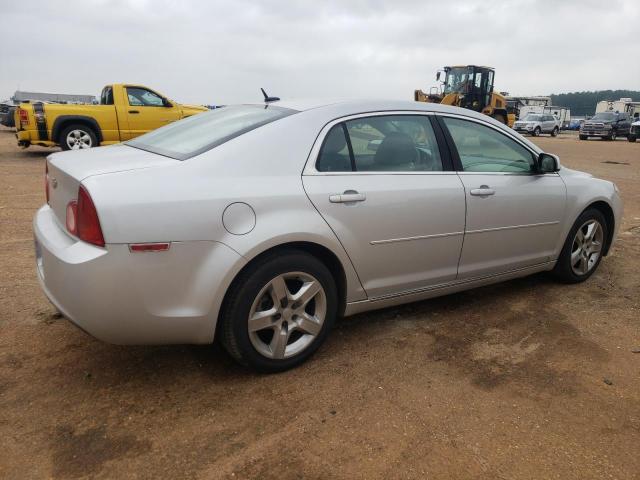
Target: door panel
{"points": [[513, 213], [403, 232], [515, 227], [147, 112]]}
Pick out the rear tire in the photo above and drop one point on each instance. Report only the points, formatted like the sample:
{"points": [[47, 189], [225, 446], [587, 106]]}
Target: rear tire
{"points": [[77, 137], [264, 326], [583, 248]]}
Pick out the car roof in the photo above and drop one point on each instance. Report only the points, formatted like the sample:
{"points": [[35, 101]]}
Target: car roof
{"points": [[345, 107]]}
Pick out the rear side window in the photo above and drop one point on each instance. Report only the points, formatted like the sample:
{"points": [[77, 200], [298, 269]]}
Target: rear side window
{"points": [[387, 143], [334, 154], [483, 149], [199, 133]]}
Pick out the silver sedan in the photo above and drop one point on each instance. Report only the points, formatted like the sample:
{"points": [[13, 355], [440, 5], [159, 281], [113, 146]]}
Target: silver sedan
{"points": [[258, 225]]}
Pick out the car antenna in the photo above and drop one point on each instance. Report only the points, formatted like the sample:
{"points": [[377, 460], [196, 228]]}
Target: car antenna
{"points": [[267, 98]]}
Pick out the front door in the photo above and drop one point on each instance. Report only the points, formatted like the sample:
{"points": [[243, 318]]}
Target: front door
{"points": [[147, 111], [381, 184], [513, 213]]}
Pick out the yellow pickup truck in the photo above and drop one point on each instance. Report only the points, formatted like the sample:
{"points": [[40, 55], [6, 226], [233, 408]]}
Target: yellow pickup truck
{"points": [[125, 111]]}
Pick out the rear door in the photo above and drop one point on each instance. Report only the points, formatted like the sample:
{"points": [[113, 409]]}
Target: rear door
{"points": [[392, 199], [147, 111], [513, 213]]}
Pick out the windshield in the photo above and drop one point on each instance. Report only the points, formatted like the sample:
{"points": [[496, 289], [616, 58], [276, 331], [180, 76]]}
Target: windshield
{"points": [[200, 133], [607, 116], [458, 79], [533, 118]]}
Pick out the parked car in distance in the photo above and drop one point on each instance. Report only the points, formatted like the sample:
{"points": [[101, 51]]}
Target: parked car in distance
{"points": [[575, 124], [634, 134], [7, 110], [125, 111], [258, 225], [535, 124], [606, 125]]}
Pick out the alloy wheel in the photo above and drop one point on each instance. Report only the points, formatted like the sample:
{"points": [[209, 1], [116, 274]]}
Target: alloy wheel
{"points": [[287, 315], [587, 247], [78, 139]]}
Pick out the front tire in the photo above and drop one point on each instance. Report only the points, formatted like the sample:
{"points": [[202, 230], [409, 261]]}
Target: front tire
{"points": [[612, 136], [554, 132], [279, 311], [77, 137], [583, 248], [536, 132]]}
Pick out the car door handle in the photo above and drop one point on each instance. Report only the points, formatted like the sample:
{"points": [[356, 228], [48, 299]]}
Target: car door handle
{"points": [[347, 196], [134, 111], [483, 191]]}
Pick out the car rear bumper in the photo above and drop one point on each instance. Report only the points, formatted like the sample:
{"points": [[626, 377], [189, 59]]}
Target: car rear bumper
{"points": [[134, 298], [30, 137]]}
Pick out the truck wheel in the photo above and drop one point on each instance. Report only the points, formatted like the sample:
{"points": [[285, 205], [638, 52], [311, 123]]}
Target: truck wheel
{"points": [[554, 132], [499, 118], [582, 137], [77, 137], [611, 136], [631, 138]]}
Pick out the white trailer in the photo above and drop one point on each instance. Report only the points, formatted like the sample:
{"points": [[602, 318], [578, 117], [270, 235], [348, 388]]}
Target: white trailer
{"points": [[626, 105], [530, 109], [563, 114]]}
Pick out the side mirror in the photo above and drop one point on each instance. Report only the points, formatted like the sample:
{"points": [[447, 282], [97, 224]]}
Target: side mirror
{"points": [[548, 163], [166, 103]]}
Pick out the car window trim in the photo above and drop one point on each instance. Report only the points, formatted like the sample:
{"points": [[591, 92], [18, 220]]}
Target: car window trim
{"points": [[454, 150], [314, 154]]}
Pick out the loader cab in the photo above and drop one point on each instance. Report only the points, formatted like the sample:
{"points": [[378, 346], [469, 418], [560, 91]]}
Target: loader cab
{"points": [[472, 84]]}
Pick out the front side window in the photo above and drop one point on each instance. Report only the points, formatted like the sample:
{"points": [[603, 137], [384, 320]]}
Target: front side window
{"points": [[197, 134], [387, 143], [483, 149], [141, 97]]}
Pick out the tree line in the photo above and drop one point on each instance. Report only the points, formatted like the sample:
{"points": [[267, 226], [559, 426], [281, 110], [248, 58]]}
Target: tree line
{"points": [[584, 103]]}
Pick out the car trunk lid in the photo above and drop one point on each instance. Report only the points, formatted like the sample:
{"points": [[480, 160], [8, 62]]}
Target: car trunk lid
{"points": [[67, 170]]}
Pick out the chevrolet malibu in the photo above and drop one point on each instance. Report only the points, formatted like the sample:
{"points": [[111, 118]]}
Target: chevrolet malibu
{"points": [[258, 225]]}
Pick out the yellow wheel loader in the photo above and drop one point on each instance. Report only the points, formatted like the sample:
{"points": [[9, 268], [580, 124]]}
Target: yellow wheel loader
{"points": [[469, 86]]}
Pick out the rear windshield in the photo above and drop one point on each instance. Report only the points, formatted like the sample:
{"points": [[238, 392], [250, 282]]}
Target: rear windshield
{"points": [[199, 133]]}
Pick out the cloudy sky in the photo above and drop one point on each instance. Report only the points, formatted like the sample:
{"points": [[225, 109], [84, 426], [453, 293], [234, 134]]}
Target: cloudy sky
{"points": [[215, 51]]}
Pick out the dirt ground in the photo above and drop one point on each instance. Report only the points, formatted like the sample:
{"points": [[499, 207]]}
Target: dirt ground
{"points": [[527, 379]]}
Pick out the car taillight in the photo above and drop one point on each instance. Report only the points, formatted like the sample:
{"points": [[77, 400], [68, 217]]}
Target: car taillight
{"points": [[46, 180], [24, 116], [87, 222]]}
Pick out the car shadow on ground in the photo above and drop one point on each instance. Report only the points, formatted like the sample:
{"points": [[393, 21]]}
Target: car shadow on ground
{"points": [[494, 335]]}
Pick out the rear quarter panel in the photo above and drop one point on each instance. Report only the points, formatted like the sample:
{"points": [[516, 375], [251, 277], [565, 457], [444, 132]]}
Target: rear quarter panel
{"points": [[104, 115], [186, 200]]}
